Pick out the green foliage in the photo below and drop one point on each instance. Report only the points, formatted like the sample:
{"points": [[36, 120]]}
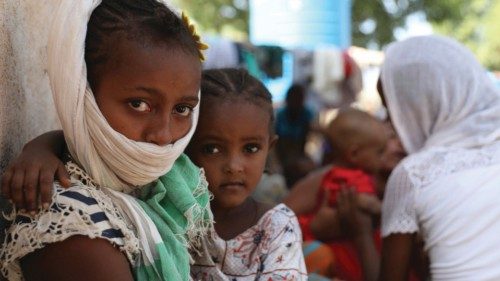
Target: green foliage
{"points": [[385, 16], [226, 17], [489, 51], [476, 23]]}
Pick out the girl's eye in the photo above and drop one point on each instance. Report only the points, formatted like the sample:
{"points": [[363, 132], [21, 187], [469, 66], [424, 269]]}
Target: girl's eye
{"points": [[183, 110], [252, 148], [210, 149], [139, 105]]}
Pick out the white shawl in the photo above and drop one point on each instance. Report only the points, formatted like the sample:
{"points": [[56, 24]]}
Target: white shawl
{"points": [[110, 158], [437, 94]]}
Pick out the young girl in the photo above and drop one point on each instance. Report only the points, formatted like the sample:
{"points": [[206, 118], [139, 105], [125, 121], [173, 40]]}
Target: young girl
{"points": [[252, 241], [125, 85]]}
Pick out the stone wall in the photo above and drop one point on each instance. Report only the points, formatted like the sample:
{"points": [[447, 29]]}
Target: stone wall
{"points": [[26, 107]]}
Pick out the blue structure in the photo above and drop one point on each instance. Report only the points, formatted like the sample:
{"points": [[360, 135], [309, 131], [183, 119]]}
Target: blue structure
{"points": [[303, 24], [300, 23]]}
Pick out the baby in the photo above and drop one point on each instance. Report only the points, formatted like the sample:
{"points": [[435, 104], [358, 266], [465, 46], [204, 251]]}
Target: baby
{"points": [[358, 141]]}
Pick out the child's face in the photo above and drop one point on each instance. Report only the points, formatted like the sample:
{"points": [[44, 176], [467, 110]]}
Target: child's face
{"points": [[394, 151], [147, 93], [369, 156], [231, 143]]}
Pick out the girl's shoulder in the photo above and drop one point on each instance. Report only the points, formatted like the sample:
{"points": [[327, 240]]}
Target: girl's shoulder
{"points": [[277, 218], [79, 210]]}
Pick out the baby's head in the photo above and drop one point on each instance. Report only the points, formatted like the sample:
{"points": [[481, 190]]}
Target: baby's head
{"points": [[358, 140], [143, 68], [234, 134]]}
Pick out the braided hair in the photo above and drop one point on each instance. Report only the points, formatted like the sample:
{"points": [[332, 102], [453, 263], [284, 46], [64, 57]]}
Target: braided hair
{"points": [[230, 84], [147, 22]]}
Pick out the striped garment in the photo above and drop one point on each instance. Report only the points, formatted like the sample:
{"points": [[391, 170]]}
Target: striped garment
{"points": [[154, 232], [82, 209]]}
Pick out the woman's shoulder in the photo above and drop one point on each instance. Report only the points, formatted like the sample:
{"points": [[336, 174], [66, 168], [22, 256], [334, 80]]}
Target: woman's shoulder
{"points": [[428, 165]]}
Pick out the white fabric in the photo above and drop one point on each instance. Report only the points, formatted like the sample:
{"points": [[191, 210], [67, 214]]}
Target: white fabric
{"points": [[147, 233], [452, 197], [222, 53], [83, 209], [110, 158], [447, 114], [269, 250], [438, 95], [328, 72]]}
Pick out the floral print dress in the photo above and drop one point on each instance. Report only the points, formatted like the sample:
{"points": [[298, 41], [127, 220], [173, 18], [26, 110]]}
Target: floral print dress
{"points": [[270, 250]]}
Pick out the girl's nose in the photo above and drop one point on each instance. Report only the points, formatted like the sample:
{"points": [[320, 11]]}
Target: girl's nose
{"points": [[161, 133], [161, 137], [234, 165]]}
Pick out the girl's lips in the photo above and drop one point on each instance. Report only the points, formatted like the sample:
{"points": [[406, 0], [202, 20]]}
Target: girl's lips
{"points": [[232, 185]]}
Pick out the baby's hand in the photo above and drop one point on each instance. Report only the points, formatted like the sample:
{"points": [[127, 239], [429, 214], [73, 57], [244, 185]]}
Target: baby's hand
{"points": [[325, 224], [370, 204], [28, 179], [354, 220]]}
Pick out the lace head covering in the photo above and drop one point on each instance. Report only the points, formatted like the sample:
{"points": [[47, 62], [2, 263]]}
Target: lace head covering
{"points": [[110, 158], [437, 94]]}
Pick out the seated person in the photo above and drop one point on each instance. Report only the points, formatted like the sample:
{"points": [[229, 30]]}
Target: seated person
{"points": [[359, 142]]}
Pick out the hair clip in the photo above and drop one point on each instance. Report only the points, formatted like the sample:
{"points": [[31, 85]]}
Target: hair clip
{"points": [[200, 45]]}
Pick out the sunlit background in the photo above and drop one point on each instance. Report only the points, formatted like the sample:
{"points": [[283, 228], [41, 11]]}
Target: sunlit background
{"points": [[362, 28]]}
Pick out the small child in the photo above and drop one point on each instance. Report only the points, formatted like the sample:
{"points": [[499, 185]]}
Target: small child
{"points": [[252, 241], [358, 141]]}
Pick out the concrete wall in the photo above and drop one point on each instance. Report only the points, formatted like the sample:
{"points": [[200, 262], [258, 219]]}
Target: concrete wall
{"points": [[26, 107]]}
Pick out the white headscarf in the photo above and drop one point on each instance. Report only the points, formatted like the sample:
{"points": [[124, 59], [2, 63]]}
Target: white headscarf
{"points": [[110, 158], [437, 94]]}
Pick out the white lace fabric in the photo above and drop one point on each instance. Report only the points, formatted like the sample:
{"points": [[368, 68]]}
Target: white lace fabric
{"points": [[419, 171], [452, 199], [67, 217]]}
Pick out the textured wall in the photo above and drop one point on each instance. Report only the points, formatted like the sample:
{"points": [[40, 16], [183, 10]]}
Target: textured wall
{"points": [[26, 108]]}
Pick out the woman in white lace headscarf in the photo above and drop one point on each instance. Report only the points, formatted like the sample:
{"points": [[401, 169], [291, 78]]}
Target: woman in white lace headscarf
{"points": [[447, 113]]}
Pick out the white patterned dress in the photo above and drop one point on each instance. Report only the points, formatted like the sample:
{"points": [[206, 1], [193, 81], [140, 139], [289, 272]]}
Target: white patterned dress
{"points": [[270, 250]]}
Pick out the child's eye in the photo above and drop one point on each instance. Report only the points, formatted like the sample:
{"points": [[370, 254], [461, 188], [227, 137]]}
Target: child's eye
{"points": [[210, 149], [139, 105], [183, 110], [252, 148]]}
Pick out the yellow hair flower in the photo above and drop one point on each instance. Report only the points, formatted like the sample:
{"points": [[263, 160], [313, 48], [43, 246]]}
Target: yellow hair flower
{"points": [[200, 45]]}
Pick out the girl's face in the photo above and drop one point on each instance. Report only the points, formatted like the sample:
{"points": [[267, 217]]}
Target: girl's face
{"points": [[231, 143], [147, 93]]}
